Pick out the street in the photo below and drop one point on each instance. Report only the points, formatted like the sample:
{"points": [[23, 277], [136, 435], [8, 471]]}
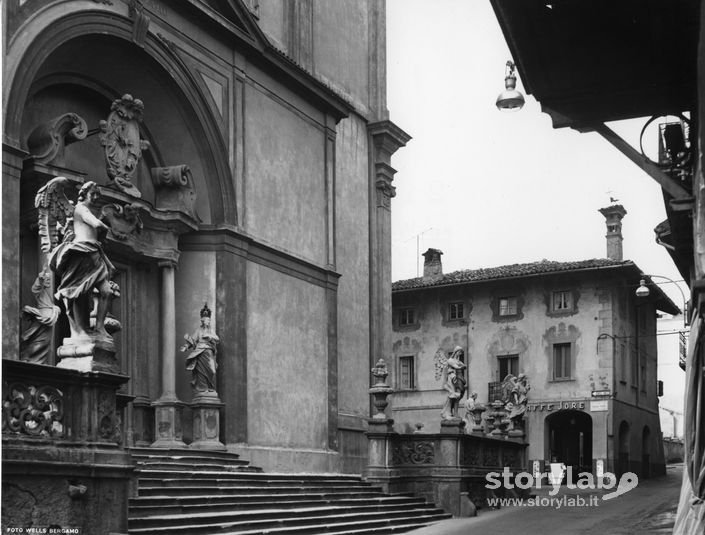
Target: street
{"points": [[648, 509]]}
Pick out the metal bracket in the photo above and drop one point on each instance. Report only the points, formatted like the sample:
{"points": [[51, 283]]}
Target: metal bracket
{"points": [[671, 186]]}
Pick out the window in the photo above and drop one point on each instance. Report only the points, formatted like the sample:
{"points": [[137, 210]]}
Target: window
{"points": [[561, 361], [406, 316], [623, 363], [507, 306], [508, 364], [456, 311], [562, 301], [406, 373]]}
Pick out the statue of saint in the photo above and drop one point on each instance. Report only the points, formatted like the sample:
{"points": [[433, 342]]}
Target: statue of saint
{"points": [[81, 266], [201, 361]]}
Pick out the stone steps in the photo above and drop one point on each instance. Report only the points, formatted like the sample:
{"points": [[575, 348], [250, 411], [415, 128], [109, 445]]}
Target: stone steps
{"points": [[188, 504], [208, 493]]}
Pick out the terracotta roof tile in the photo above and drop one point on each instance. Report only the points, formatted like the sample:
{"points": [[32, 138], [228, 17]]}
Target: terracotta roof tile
{"points": [[505, 272]]}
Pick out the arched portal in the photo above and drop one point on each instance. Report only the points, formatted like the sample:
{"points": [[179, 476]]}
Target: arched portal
{"points": [[179, 122], [623, 461], [570, 439]]}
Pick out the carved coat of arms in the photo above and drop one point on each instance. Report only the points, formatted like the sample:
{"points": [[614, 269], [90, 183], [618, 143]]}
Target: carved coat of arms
{"points": [[120, 137]]}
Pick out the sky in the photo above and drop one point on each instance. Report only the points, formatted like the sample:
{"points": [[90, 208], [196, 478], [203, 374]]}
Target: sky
{"points": [[490, 188]]}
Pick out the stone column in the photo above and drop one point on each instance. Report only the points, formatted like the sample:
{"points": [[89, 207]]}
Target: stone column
{"points": [[167, 409], [386, 138]]}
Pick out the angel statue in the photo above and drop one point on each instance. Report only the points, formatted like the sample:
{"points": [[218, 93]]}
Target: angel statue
{"points": [[515, 391], [77, 260], [450, 371], [201, 361]]}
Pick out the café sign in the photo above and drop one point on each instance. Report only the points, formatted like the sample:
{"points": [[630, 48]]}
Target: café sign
{"points": [[556, 406]]}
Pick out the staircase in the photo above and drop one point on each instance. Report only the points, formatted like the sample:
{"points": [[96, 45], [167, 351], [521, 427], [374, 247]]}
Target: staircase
{"points": [[206, 493]]}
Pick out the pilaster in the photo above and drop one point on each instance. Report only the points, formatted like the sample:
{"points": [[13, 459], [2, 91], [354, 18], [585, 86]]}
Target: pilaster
{"points": [[386, 138]]}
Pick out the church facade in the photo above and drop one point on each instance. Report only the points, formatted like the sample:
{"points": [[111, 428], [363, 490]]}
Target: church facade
{"points": [[247, 148]]}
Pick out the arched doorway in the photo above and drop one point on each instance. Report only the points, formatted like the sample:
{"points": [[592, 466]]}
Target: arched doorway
{"points": [[570, 440], [646, 452], [623, 451]]}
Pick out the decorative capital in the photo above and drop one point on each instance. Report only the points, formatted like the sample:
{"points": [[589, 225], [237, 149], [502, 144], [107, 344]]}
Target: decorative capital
{"points": [[387, 136]]}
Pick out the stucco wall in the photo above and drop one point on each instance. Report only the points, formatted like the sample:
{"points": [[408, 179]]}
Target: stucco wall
{"points": [[285, 189], [352, 261], [287, 368], [531, 337]]}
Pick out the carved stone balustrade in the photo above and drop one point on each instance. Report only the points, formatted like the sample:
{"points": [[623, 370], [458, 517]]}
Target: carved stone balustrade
{"points": [[446, 468], [62, 431]]}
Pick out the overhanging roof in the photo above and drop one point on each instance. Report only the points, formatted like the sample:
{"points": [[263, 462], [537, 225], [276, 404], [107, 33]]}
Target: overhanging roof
{"points": [[593, 61], [542, 268]]}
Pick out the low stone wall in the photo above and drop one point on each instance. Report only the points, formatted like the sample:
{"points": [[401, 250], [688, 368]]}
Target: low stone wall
{"points": [[673, 450], [63, 463], [447, 468]]}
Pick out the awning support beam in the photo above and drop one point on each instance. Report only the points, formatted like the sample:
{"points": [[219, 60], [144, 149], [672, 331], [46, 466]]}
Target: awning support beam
{"points": [[671, 186]]}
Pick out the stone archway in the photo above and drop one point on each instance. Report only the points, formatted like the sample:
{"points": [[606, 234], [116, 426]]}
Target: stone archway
{"points": [[624, 449], [175, 104], [646, 452], [570, 439]]}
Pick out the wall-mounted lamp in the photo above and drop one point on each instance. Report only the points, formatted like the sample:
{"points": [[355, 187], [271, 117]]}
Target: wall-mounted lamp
{"points": [[511, 99], [643, 291]]}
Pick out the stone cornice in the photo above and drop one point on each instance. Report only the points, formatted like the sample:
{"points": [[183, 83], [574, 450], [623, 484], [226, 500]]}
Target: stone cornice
{"points": [[228, 239]]}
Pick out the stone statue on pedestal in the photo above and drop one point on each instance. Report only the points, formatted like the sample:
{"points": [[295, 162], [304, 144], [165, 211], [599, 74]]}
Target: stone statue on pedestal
{"points": [[81, 266], [516, 390], [450, 371], [201, 361]]}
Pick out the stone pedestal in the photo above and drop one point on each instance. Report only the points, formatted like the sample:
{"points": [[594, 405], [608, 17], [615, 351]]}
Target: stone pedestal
{"points": [[477, 426], [206, 422], [452, 426], [88, 354], [167, 429], [517, 430]]}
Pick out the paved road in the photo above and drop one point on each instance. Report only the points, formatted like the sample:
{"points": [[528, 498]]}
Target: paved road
{"points": [[648, 509]]}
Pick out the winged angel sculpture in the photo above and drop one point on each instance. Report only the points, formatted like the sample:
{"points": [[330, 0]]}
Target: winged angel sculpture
{"points": [[514, 394], [71, 235], [450, 371]]}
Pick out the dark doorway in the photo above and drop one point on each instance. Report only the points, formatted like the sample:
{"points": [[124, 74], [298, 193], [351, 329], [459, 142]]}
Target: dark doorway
{"points": [[570, 440], [646, 453], [623, 461]]}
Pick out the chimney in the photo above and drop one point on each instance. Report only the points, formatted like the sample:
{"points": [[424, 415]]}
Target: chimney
{"points": [[432, 266], [613, 219]]}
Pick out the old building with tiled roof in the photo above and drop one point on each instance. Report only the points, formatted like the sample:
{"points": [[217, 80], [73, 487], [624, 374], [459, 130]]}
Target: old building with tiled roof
{"points": [[577, 330]]}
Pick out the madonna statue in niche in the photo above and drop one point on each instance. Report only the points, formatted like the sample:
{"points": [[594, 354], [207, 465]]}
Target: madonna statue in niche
{"points": [[201, 361]]}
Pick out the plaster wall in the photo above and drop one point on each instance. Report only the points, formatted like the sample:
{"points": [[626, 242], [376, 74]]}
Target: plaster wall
{"points": [[273, 21], [285, 188], [352, 261], [340, 46], [287, 361], [486, 336]]}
